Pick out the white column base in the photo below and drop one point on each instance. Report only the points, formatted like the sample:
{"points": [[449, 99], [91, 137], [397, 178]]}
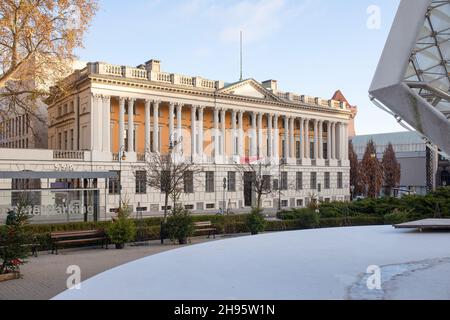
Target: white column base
{"points": [[320, 162]]}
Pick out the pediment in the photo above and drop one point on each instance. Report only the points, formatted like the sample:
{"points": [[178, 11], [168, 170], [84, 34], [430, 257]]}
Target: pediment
{"points": [[249, 88]]}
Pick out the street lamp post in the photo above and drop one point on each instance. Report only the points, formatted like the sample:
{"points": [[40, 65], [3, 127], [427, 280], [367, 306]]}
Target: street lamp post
{"points": [[224, 188], [281, 163], [122, 157]]}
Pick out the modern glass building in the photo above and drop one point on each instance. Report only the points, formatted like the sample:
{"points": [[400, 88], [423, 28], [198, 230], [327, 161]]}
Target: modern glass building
{"points": [[412, 80]]}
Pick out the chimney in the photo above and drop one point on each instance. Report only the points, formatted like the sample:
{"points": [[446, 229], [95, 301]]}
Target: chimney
{"points": [[270, 85], [153, 65]]}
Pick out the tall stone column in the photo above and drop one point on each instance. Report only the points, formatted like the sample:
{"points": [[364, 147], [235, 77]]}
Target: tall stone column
{"points": [[179, 130], [254, 139], [96, 125], [171, 124], [223, 116], [131, 125], [346, 141], [147, 125], [156, 147], [216, 134], [106, 122], [333, 140], [320, 139], [193, 132], [241, 134], [316, 140], [329, 142], [233, 133], [292, 138], [201, 111], [343, 140], [260, 150], [308, 145], [121, 123], [270, 135], [302, 139], [286, 138], [276, 138]]}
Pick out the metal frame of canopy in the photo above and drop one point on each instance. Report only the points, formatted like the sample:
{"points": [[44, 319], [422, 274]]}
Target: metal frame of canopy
{"points": [[412, 79]]}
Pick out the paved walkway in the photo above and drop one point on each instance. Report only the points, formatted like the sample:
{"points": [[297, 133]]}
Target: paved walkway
{"points": [[45, 276]]}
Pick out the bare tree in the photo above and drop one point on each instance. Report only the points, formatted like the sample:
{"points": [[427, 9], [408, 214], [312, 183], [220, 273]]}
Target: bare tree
{"points": [[37, 40], [169, 176], [261, 173]]}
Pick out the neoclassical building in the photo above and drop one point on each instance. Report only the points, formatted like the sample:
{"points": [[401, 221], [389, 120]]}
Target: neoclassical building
{"points": [[107, 110]]}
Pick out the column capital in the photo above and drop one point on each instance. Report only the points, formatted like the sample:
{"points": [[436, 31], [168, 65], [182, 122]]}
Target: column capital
{"points": [[131, 99], [122, 99]]}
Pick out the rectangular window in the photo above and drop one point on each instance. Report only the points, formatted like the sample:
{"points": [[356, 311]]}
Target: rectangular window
{"points": [[165, 180], [299, 202], [339, 180], [188, 180], [59, 141], [327, 180], [141, 182], [284, 203], [275, 184], [65, 140], [72, 146], [266, 183], [113, 184], [284, 181], [299, 181], [209, 181], [313, 180], [297, 149], [231, 181]]}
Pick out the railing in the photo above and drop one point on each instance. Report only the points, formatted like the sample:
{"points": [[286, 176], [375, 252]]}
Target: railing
{"points": [[340, 163], [187, 81], [141, 157], [198, 82], [327, 163], [136, 73], [112, 69], [115, 157], [68, 155], [163, 77], [299, 162], [314, 163]]}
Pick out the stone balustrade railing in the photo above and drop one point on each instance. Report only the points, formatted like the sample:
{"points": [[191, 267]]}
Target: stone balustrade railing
{"points": [[139, 73], [68, 155], [194, 82]]}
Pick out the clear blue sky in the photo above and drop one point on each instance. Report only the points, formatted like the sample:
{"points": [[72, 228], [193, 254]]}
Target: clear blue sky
{"points": [[311, 47]]}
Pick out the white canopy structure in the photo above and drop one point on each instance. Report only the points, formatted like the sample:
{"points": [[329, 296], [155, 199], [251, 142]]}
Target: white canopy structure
{"points": [[412, 79]]}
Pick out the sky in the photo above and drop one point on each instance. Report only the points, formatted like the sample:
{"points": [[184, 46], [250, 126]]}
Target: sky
{"points": [[312, 47]]}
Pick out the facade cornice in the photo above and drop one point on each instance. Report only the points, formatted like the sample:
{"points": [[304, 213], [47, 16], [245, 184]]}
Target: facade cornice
{"points": [[211, 94]]}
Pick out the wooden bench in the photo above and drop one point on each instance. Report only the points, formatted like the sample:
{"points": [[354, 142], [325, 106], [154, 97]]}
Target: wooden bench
{"points": [[60, 239], [205, 227]]}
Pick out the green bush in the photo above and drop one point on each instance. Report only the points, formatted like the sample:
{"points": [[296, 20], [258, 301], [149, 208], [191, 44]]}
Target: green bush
{"points": [[350, 221], [179, 225], [306, 217], [14, 241], [122, 230], [397, 217], [255, 221]]}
